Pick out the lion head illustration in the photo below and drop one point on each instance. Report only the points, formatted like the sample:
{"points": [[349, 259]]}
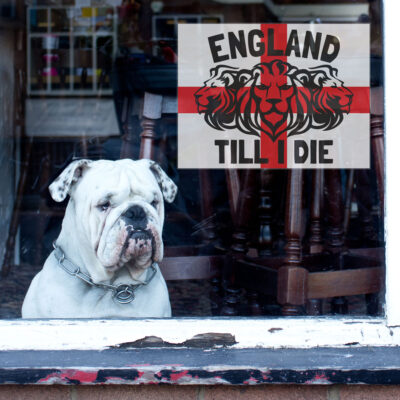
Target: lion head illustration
{"points": [[331, 99], [216, 99], [273, 98]]}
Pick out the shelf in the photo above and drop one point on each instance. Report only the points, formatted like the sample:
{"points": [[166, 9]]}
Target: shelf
{"points": [[69, 50]]}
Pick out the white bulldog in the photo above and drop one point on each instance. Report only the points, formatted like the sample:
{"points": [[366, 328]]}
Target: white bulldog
{"points": [[105, 260]]}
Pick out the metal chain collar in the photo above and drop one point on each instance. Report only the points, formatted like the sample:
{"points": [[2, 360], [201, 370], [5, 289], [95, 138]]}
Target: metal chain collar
{"points": [[122, 293]]}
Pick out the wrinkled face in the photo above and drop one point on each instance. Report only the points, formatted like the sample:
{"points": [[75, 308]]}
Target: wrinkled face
{"points": [[120, 208]]}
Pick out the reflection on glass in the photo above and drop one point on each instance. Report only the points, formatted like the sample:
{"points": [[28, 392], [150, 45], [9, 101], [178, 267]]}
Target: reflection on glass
{"points": [[39, 20], [86, 95], [83, 69]]}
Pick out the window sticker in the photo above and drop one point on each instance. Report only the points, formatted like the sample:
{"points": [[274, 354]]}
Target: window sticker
{"points": [[273, 96]]}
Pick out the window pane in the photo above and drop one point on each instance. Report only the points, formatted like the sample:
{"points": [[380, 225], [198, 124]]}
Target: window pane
{"points": [[267, 119]]}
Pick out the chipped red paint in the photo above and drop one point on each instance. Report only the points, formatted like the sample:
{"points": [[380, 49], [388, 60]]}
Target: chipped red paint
{"points": [[71, 375], [140, 373], [319, 379], [250, 381], [175, 376]]}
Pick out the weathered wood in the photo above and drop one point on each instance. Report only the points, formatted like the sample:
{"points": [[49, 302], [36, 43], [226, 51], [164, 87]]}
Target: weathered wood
{"points": [[345, 283]]}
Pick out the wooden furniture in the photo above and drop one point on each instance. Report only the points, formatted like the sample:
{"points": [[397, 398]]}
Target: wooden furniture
{"points": [[311, 270]]}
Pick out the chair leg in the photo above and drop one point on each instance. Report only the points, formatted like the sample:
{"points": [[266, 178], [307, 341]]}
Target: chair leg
{"points": [[316, 244], [147, 138], [348, 200], [335, 232], [245, 207], [265, 239], [364, 201], [378, 155], [292, 278]]}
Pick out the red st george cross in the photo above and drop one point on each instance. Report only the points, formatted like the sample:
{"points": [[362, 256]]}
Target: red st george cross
{"points": [[274, 99]]}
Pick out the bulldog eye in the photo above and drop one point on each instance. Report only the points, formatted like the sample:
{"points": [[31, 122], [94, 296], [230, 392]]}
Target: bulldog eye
{"points": [[284, 87], [154, 203], [104, 206]]}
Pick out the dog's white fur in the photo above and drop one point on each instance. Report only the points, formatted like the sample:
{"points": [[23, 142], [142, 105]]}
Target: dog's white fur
{"points": [[95, 237]]}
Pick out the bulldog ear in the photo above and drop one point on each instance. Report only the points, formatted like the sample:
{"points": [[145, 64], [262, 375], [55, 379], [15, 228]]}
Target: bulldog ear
{"points": [[59, 189], [167, 185]]}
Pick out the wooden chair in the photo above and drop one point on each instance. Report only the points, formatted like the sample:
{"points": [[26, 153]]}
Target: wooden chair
{"points": [[299, 279]]}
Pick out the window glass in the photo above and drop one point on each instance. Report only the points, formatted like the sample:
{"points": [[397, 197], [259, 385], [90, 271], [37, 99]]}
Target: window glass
{"points": [[266, 154]]}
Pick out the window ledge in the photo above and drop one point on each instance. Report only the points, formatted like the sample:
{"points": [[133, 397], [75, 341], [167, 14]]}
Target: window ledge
{"points": [[239, 333], [369, 365]]}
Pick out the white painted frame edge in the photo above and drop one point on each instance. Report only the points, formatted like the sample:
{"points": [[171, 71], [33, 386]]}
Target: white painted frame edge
{"points": [[267, 333]]}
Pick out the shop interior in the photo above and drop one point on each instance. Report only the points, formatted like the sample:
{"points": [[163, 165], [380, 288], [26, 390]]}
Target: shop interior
{"points": [[75, 79]]}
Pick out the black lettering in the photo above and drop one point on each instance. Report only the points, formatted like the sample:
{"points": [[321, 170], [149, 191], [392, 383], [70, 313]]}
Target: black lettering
{"points": [[311, 45], [238, 44], [260, 50], [221, 150], [313, 151], [242, 158], [281, 151], [293, 44], [330, 40], [217, 48], [300, 145], [257, 158], [271, 50], [323, 152], [233, 152]]}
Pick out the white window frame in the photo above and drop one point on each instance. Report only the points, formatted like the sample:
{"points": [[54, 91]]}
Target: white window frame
{"points": [[256, 332]]}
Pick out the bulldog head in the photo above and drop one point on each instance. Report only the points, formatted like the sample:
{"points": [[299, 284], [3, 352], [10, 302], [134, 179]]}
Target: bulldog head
{"points": [[118, 208]]}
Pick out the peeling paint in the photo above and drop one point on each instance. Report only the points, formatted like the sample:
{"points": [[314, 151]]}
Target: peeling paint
{"points": [[202, 340], [199, 377], [70, 376]]}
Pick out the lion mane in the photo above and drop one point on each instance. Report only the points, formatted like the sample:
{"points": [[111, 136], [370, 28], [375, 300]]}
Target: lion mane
{"points": [[330, 98], [295, 120], [235, 98], [217, 98]]}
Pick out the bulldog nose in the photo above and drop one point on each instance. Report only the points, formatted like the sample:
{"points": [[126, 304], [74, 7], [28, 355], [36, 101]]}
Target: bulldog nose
{"points": [[135, 213]]}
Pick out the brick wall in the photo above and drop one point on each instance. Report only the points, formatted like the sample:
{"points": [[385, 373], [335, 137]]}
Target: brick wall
{"points": [[264, 392]]}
